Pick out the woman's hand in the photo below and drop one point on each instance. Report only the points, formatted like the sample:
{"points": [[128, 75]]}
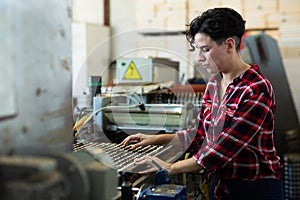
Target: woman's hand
{"points": [[140, 139], [151, 164]]}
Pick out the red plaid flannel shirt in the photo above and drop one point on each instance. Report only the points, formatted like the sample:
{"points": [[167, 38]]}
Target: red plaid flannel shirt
{"points": [[234, 136]]}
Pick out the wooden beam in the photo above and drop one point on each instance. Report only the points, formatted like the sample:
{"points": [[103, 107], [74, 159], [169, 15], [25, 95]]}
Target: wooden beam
{"points": [[106, 12]]}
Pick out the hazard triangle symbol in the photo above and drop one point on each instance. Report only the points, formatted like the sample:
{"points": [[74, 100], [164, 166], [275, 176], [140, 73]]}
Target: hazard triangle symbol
{"points": [[132, 72]]}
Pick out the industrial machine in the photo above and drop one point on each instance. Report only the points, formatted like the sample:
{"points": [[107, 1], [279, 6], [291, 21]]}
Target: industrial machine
{"points": [[146, 118], [156, 108], [151, 108]]}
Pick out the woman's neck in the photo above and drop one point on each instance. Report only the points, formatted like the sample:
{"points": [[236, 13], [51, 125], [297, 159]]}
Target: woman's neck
{"points": [[234, 70]]}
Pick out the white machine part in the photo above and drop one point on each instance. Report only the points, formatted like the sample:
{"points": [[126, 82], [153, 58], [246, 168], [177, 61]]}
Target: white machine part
{"points": [[154, 118]]}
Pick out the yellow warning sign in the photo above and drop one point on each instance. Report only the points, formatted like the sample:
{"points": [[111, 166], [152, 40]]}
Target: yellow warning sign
{"points": [[132, 72]]}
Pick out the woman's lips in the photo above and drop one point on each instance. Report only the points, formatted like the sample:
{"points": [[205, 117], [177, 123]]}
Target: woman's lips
{"points": [[205, 65]]}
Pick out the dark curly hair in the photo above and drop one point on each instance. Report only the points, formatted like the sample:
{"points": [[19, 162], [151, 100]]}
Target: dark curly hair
{"points": [[218, 24]]}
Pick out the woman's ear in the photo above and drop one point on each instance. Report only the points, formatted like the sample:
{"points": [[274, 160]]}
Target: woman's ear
{"points": [[230, 43]]}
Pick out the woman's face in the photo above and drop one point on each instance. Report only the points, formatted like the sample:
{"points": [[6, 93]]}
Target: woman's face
{"points": [[212, 56]]}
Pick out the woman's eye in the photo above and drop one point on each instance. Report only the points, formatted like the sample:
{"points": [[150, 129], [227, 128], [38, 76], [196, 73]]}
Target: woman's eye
{"points": [[205, 50]]}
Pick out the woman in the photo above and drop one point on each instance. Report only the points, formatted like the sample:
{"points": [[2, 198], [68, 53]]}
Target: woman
{"points": [[234, 134]]}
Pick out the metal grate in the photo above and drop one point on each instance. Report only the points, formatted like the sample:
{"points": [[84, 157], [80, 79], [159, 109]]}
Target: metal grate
{"points": [[121, 155], [292, 176]]}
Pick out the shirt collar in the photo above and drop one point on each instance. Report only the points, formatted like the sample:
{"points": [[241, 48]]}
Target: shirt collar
{"points": [[217, 78]]}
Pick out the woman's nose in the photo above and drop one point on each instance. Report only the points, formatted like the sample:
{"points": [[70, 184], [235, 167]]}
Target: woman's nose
{"points": [[201, 57]]}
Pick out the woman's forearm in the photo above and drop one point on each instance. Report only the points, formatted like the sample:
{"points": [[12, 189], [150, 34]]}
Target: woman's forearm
{"points": [[184, 166], [165, 139]]}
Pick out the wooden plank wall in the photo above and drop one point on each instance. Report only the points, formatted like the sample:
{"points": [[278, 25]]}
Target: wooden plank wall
{"points": [[278, 18]]}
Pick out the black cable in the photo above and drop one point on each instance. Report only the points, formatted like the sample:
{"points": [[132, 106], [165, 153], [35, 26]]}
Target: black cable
{"points": [[99, 86]]}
